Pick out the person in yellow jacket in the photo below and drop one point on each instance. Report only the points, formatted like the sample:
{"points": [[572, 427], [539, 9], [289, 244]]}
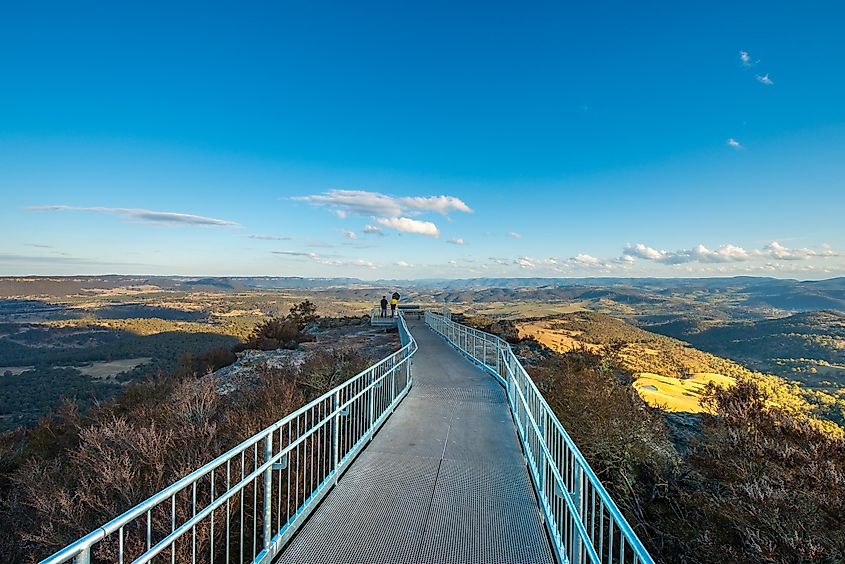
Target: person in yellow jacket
{"points": [[394, 301]]}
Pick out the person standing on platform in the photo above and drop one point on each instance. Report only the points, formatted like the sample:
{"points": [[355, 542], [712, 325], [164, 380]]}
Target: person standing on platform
{"points": [[393, 303]]}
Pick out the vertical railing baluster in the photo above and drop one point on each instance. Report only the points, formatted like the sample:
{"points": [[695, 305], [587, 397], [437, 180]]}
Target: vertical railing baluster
{"points": [[228, 510], [336, 434], [268, 491]]}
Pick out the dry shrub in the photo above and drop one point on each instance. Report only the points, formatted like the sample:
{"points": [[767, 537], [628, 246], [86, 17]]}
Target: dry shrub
{"points": [[758, 484], [328, 368], [72, 472], [625, 442], [773, 482]]}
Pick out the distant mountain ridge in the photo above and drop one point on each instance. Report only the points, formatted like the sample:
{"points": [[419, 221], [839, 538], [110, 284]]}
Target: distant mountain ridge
{"points": [[785, 295]]}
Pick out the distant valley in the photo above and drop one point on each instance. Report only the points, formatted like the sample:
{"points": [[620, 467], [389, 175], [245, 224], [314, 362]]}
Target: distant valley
{"points": [[85, 337]]}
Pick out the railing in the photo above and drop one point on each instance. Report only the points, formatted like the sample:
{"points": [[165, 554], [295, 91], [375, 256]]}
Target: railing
{"points": [[378, 320], [245, 505], [583, 522]]}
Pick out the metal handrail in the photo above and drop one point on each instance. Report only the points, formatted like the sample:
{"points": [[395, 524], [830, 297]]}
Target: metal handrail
{"points": [[583, 522], [286, 469]]}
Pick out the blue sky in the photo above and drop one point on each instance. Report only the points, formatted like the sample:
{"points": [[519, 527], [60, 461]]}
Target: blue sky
{"points": [[411, 140]]}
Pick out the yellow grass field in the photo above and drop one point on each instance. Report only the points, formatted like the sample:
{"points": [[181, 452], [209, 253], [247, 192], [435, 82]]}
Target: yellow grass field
{"points": [[560, 340], [675, 394], [670, 393]]}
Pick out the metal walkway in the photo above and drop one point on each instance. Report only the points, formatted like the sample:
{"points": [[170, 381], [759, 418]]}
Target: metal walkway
{"points": [[392, 465], [443, 480]]}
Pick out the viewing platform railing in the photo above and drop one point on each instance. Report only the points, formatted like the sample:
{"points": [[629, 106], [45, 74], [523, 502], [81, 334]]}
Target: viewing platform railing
{"points": [[245, 505], [583, 522]]}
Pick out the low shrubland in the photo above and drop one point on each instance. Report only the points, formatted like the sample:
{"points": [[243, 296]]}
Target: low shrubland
{"points": [[75, 470], [753, 482]]}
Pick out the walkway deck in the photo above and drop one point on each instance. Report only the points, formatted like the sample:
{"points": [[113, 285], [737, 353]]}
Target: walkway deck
{"points": [[442, 481]]}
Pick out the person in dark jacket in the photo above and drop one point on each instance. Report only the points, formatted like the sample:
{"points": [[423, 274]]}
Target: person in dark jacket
{"points": [[384, 306]]}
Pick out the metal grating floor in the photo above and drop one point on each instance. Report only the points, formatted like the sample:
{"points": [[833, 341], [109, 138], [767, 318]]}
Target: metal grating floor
{"points": [[442, 481]]}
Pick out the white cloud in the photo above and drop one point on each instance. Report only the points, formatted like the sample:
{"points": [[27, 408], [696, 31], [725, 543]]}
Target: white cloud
{"points": [[408, 225], [362, 202], [734, 143], [514, 234], [456, 241], [724, 254], [349, 234], [144, 216], [403, 264], [346, 262], [373, 230], [765, 79], [529, 262], [745, 58], [777, 251], [586, 260], [269, 237], [330, 260], [642, 251], [700, 253]]}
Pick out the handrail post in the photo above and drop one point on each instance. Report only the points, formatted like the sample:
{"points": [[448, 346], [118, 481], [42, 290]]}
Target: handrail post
{"points": [[268, 491], [83, 557]]}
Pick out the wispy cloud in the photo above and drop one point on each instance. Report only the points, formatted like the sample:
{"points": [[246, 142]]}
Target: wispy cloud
{"points": [[408, 225], [388, 211], [734, 143], [347, 262], [403, 264], [373, 230], [349, 234], [359, 202], [439, 204], [456, 241], [514, 234], [745, 58], [144, 216], [362, 202], [38, 246], [61, 259], [295, 253], [330, 260], [270, 237], [765, 79]]}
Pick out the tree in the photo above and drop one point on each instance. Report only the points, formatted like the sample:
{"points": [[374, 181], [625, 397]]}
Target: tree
{"points": [[303, 313]]}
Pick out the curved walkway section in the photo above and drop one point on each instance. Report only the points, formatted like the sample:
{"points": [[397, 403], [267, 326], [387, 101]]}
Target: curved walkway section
{"points": [[442, 481]]}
